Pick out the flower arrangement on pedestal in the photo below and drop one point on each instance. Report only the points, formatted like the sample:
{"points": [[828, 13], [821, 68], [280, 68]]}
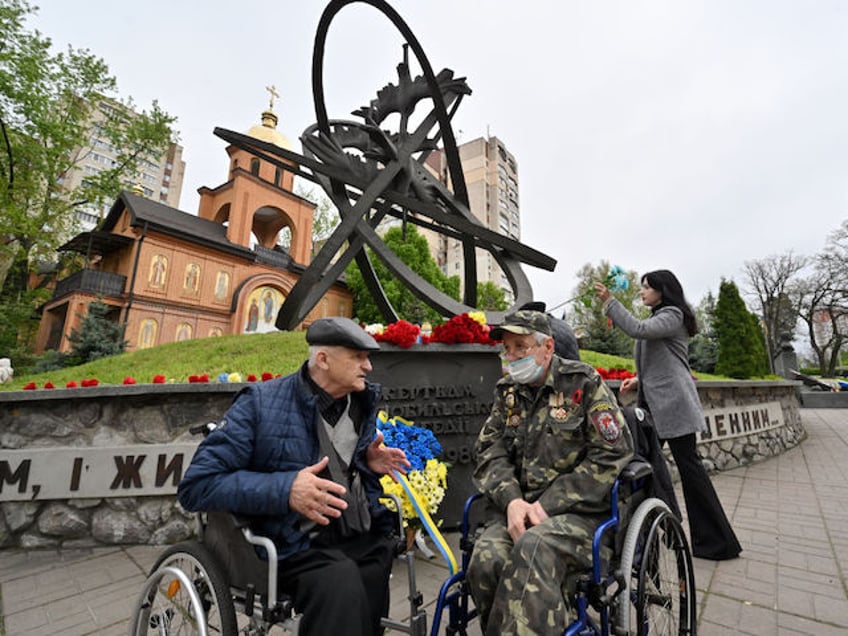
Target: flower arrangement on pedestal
{"points": [[468, 328], [427, 474]]}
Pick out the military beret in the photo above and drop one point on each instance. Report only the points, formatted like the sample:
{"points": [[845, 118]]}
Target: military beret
{"points": [[522, 322], [340, 332]]}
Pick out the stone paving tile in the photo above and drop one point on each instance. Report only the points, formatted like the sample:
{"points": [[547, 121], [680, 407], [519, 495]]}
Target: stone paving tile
{"points": [[831, 610], [792, 625]]}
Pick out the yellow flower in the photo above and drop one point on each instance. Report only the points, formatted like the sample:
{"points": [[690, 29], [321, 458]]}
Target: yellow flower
{"points": [[479, 316], [429, 484]]}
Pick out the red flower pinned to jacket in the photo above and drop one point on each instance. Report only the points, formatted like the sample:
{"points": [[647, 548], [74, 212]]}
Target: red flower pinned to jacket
{"points": [[577, 396], [158, 379], [30, 386], [129, 380]]}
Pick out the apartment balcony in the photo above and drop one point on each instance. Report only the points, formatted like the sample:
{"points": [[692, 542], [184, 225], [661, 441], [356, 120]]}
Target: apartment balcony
{"points": [[92, 281]]}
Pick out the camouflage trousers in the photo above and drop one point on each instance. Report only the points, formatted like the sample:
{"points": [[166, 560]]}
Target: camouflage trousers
{"points": [[518, 588]]}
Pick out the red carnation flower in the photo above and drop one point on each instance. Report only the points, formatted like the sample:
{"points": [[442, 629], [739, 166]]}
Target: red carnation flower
{"points": [[203, 377], [129, 380], [71, 385], [251, 378], [401, 333], [267, 376], [461, 329], [30, 386], [193, 379], [49, 385], [89, 382], [159, 379]]}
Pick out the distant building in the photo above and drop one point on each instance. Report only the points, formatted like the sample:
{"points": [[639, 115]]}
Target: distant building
{"points": [[160, 178], [170, 275], [491, 178]]}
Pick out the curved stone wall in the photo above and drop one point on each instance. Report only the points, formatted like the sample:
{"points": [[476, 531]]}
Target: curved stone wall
{"points": [[95, 466]]}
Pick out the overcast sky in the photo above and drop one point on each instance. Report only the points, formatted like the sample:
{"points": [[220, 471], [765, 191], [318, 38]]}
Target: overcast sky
{"points": [[653, 134]]}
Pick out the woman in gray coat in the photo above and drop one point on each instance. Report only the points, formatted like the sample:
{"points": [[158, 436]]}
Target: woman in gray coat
{"points": [[666, 388]]}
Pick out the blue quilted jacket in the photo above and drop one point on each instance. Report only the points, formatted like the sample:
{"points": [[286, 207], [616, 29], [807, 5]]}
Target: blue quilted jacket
{"points": [[248, 464]]}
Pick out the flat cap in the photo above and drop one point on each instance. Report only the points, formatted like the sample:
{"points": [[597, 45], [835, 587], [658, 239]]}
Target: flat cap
{"points": [[340, 332], [522, 322]]}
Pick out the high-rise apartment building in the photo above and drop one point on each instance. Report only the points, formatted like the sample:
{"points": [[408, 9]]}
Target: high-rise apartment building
{"points": [[160, 178], [491, 178]]}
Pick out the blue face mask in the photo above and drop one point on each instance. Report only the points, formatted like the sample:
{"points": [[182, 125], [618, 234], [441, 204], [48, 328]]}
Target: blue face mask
{"points": [[525, 371]]}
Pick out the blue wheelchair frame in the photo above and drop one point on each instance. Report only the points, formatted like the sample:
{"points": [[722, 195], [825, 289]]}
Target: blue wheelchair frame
{"points": [[592, 590]]}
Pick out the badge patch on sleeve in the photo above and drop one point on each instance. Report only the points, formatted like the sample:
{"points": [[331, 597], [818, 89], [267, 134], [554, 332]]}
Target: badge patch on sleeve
{"points": [[607, 425]]}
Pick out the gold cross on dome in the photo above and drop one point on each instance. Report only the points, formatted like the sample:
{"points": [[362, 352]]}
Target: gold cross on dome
{"points": [[273, 91]]}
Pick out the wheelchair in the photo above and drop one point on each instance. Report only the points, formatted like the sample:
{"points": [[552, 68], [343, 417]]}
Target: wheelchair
{"points": [[646, 587], [218, 584]]}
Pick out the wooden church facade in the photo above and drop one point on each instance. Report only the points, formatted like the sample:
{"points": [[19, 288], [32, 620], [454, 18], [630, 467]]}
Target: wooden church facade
{"points": [[172, 276]]}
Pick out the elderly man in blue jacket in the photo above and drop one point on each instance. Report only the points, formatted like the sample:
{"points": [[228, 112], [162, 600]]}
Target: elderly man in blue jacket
{"points": [[302, 456]]}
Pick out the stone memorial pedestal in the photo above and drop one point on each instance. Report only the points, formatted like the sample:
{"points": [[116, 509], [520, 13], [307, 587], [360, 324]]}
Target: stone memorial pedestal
{"points": [[448, 389]]}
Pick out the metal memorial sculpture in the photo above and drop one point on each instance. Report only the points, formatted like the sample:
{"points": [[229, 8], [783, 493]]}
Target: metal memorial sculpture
{"points": [[369, 172]]}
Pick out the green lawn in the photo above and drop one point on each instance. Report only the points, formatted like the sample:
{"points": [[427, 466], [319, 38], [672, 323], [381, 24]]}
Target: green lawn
{"points": [[275, 353]]}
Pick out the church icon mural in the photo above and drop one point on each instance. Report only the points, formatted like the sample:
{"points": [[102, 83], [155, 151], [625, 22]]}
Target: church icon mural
{"points": [[158, 271], [263, 303]]}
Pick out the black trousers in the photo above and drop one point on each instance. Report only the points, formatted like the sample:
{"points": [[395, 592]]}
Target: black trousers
{"points": [[341, 589], [711, 533]]}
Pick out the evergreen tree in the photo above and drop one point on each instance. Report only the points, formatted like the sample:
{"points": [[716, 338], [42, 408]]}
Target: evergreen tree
{"points": [[98, 336], [759, 348], [741, 349], [412, 248], [703, 347]]}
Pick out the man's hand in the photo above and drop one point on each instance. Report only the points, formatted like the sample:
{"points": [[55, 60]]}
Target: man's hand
{"points": [[315, 498], [384, 460], [628, 384], [521, 515]]}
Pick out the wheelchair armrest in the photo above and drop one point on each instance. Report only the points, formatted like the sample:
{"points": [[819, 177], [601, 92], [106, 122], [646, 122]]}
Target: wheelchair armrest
{"points": [[230, 539], [636, 469]]}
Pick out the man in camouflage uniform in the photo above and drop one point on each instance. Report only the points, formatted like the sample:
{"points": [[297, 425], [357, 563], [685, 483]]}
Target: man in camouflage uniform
{"points": [[547, 458]]}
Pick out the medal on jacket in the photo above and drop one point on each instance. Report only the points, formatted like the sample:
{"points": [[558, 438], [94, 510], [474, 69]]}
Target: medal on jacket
{"points": [[556, 401], [513, 419]]}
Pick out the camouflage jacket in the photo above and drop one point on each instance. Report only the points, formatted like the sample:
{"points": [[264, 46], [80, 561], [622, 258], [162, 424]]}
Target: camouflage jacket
{"points": [[562, 444]]}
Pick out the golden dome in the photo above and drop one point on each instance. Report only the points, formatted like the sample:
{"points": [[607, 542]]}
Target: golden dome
{"points": [[267, 131]]}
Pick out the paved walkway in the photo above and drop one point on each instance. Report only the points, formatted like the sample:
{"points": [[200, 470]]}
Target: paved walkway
{"points": [[790, 512]]}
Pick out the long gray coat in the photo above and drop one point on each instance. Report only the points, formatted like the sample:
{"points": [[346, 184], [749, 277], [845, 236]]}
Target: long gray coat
{"points": [[662, 364]]}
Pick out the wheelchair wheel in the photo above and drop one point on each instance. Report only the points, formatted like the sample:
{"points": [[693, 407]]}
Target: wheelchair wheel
{"points": [[659, 593], [185, 585], [665, 594]]}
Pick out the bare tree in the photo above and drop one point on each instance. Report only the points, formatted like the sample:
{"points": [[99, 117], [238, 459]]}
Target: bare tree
{"points": [[768, 280], [821, 300]]}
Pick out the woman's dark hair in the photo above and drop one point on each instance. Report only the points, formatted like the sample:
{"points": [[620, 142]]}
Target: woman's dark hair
{"points": [[671, 290]]}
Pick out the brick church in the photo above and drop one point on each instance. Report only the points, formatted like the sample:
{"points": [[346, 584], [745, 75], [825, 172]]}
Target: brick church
{"points": [[171, 276]]}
